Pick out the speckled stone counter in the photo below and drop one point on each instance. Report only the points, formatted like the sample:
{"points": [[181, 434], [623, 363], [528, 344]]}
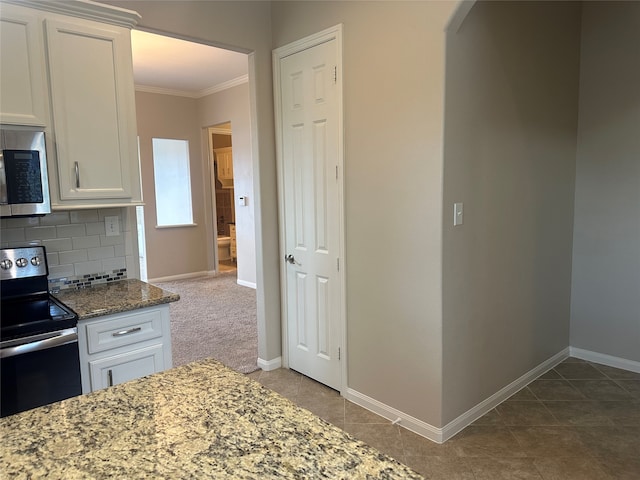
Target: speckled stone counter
{"points": [[115, 297], [197, 421]]}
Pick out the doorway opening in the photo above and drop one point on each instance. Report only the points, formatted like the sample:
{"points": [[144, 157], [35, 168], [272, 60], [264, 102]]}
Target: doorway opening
{"points": [[184, 103], [222, 196]]}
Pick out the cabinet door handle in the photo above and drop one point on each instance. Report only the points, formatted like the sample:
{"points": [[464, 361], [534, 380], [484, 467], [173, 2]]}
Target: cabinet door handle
{"points": [[77, 167], [126, 332], [110, 378]]}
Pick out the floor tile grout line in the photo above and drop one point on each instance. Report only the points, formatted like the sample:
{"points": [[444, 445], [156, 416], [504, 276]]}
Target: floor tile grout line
{"points": [[580, 430]]}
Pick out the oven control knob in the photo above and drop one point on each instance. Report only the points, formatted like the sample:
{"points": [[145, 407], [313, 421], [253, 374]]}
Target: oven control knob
{"points": [[21, 262], [6, 264], [35, 261]]}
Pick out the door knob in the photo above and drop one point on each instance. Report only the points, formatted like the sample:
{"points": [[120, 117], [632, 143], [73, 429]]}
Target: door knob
{"points": [[291, 259]]}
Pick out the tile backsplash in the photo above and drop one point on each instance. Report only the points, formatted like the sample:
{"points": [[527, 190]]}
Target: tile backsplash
{"points": [[79, 252]]}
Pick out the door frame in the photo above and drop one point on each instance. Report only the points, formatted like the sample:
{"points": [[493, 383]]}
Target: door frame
{"points": [[332, 33], [212, 233]]}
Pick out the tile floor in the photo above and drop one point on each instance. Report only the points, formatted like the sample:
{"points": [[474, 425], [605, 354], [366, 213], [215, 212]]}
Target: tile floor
{"points": [[580, 421]]}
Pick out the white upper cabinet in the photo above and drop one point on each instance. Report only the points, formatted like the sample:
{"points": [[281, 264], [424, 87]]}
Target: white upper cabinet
{"points": [[23, 86], [93, 109], [224, 156], [88, 99]]}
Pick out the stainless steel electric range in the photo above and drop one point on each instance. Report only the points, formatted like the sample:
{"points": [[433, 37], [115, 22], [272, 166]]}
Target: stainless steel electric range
{"points": [[39, 359]]}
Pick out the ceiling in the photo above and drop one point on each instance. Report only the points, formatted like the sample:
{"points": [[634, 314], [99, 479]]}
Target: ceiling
{"points": [[168, 65]]}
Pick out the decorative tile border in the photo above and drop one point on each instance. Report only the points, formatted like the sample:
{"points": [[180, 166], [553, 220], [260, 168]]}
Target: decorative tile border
{"points": [[87, 281]]}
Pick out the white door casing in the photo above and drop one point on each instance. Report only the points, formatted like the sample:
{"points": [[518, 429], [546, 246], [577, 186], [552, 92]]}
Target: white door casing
{"points": [[308, 96]]}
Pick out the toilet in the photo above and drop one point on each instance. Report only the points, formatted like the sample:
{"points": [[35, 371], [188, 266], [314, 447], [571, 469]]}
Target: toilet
{"points": [[224, 248]]}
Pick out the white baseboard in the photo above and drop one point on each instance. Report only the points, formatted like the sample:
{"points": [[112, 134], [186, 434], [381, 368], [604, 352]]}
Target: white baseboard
{"points": [[183, 276], [440, 435], [247, 284], [395, 416], [268, 365], [604, 359], [471, 415]]}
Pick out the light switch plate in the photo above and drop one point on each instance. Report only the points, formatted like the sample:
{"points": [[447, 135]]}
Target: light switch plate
{"points": [[458, 214]]}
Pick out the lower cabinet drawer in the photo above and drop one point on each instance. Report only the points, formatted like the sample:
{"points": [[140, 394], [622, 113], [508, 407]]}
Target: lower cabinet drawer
{"points": [[129, 329], [110, 371]]}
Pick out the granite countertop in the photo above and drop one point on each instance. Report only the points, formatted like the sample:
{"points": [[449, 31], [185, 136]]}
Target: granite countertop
{"points": [[201, 420], [116, 297]]}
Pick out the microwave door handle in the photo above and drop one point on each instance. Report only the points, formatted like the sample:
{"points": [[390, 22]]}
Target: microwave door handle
{"points": [[77, 167]]}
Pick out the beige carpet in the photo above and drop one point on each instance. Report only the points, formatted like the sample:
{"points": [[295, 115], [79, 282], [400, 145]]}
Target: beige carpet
{"points": [[215, 317]]}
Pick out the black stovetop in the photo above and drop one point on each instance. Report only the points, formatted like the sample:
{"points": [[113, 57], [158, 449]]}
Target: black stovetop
{"points": [[27, 308]]}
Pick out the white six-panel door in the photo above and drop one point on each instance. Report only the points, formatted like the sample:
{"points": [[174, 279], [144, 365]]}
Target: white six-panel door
{"points": [[311, 197]]}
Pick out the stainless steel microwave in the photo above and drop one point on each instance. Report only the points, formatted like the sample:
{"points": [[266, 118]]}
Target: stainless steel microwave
{"points": [[24, 183]]}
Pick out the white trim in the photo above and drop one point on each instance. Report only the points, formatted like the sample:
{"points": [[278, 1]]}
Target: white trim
{"points": [[268, 365], [180, 225], [605, 359], [308, 42], [471, 415], [234, 82], [396, 416], [183, 276], [85, 9], [278, 54], [441, 435], [244, 283], [62, 207], [165, 91], [209, 200]]}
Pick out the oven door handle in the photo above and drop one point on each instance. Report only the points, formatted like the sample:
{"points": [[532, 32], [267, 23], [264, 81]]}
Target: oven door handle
{"points": [[41, 342]]}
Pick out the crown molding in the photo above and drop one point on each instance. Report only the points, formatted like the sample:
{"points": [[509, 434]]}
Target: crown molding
{"points": [[166, 91], [234, 82], [84, 9], [199, 94]]}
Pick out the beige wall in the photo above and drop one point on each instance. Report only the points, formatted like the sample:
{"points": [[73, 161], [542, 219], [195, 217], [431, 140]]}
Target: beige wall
{"points": [[179, 250], [244, 27], [232, 105], [510, 142], [605, 307], [511, 121], [393, 88]]}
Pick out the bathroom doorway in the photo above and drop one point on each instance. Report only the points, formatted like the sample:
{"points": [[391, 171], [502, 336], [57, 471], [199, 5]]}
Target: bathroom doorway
{"points": [[222, 196]]}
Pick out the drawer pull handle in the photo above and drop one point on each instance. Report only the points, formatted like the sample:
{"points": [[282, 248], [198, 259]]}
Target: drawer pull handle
{"points": [[126, 332], [110, 378]]}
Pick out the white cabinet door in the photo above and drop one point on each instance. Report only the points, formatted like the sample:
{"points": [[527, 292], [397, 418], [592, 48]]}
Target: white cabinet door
{"points": [[93, 108], [122, 346], [121, 368], [225, 163], [23, 88]]}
